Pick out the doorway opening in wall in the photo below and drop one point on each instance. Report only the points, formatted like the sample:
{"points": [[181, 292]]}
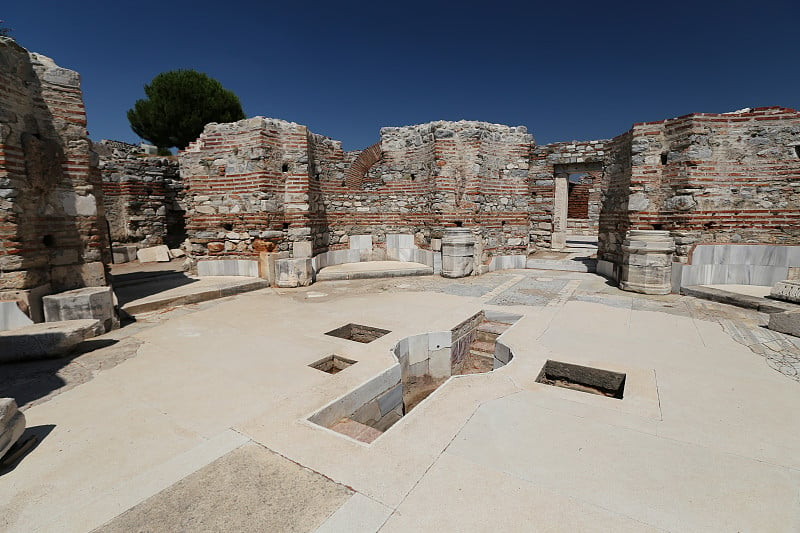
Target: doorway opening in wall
{"points": [[575, 218], [582, 206]]}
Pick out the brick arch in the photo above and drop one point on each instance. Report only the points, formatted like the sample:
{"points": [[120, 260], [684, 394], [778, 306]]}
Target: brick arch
{"points": [[354, 176]]}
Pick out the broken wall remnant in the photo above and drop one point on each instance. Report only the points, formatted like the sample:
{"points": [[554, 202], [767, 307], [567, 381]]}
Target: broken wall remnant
{"points": [[262, 184], [710, 178], [143, 196], [52, 224], [260, 181]]}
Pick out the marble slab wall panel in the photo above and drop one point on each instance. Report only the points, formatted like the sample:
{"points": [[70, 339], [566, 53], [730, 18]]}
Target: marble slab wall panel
{"points": [[228, 267]]}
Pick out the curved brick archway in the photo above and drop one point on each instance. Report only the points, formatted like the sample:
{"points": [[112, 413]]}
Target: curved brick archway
{"points": [[354, 176]]}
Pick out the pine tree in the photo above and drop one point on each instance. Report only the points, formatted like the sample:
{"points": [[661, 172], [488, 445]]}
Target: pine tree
{"points": [[179, 104]]}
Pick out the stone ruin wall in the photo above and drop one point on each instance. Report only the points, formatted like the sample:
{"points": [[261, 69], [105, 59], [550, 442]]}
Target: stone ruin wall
{"points": [[707, 178], [143, 196], [585, 199], [52, 226], [263, 184], [718, 178], [260, 184], [247, 188], [436, 175]]}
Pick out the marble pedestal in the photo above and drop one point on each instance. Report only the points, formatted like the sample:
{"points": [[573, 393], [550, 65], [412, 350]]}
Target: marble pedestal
{"points": [[647, 262]]}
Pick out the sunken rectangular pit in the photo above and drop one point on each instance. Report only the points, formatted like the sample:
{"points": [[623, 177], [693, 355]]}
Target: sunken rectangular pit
{"points": [[583, 378], [358, 333], [333, 364]]}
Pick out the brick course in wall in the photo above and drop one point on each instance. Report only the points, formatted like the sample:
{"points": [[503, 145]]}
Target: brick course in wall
{"points": [[52, 226], [417, 180], [143, 196], [705, 177]]}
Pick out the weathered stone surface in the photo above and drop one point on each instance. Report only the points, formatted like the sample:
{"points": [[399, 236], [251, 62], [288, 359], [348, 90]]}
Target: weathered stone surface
{"points": [[787, 322], [64, 278], [153, 254], [787, 290], [458, 245], [417, 180], [175, 253], [228, 267], [123, 254], [78, 304], [301, 249], [266, 265], [143, 195], [647, 262], [50, 191], [294, 272], [11, 317], [50, 339], [12, 424]]}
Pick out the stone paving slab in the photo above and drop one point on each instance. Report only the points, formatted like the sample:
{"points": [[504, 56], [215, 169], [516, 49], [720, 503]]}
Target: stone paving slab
{"points": [[47, 339], [373, 269], [738, 298], [197, 290], [249, 489], [239, 367]]}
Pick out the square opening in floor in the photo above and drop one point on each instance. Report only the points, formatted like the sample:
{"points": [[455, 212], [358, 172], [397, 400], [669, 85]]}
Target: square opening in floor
{"points": [[583, 378], [333, 364], [358, 333]]}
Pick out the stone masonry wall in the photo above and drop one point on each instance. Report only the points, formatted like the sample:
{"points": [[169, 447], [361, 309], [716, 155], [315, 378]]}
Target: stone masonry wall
{"points": [[52, 225], [438, 175], [718, 178], [264, 183], [143, 196], [584, 157], [247, 186]]}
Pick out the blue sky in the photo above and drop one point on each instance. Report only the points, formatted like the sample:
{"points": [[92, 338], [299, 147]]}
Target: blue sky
{"points": [[566, 70]]}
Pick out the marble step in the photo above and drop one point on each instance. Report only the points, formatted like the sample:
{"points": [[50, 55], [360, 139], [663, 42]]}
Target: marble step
{"points": [[582, 265], [482, 348], [357, 430]]}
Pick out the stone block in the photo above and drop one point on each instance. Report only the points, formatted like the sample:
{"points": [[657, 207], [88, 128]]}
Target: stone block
{"points": [[368, 414], [79, 304], [787, 322], [266, 264], [361, 242], [12, 424], [436, 245], [30, 300], [12, 317], [50, 339], [458, 248], [176, 253], [439, 339], [294, 272], [153, 254], [400, 240], [123, 254], [647, 262], [456, 267], [417, 348], [301, 249], [439, 364], [787, 290], [228, 267], [390, 400], [419, 369], [64, 278]]}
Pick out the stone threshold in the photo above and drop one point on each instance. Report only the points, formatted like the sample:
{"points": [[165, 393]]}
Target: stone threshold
{"points": [[763, 305], [195, 293]]}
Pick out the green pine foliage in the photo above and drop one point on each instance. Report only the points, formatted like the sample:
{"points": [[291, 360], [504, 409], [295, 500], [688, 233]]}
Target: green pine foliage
{"points": [[179, 104]]}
